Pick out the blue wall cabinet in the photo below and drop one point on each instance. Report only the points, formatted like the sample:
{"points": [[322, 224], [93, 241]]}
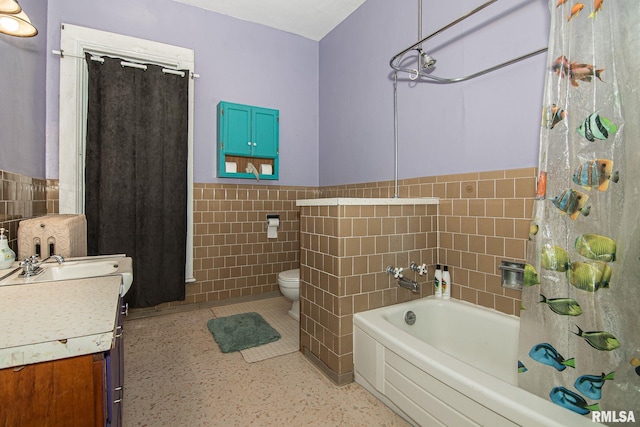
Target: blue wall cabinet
{"points": [[247, 134]]}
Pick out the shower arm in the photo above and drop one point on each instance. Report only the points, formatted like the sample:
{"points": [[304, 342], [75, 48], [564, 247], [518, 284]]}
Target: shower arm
{"points": [[394, 61]]}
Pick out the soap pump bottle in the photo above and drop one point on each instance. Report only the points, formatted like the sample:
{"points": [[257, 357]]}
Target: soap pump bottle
{"points": [[437, 281], [446, 283], [7, 256]]}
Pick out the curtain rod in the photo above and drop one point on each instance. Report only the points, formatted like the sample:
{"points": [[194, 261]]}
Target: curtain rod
{"points": [[419, 73], [61, 54]]}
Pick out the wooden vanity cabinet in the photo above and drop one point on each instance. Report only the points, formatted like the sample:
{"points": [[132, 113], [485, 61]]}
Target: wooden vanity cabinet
{"points": [[81, 391], [65, 392]]}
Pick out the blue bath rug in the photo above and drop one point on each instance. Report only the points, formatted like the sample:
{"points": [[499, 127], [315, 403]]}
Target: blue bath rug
{"points": [[241, 331]]}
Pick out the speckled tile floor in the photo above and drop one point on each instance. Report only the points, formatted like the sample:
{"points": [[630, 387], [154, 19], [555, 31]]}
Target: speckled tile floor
{"points": [[175, 375]]}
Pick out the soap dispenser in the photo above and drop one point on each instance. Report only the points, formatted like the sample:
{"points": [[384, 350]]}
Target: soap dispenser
{"points": [[7, 256]]}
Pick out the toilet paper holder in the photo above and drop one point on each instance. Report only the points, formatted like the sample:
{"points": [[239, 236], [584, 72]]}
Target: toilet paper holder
{"points": [[273, 224], [272, 216]]}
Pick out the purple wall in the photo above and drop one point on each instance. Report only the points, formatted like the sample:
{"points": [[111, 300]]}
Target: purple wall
{"points": [[489, 123], [238, 61], [335, 97], [22, 103]]}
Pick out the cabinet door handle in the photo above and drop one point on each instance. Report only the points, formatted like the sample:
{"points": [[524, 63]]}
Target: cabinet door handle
{"points": [[255, 144], [121, 394], [118, 331], [125, 309], [249, 143]]}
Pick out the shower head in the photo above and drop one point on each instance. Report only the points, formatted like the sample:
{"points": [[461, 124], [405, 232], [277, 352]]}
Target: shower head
{"points": [[427, 61]]}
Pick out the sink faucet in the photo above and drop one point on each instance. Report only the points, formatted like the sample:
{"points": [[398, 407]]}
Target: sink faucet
{"points": [[31, 265], [58, 258], [412, 285]]}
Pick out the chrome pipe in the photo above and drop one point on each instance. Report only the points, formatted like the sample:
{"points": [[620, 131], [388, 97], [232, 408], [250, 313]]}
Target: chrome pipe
{"points": [[446, 27], [474, 75], [395, 135], [420, 31], [419, 73], [419, 19]]}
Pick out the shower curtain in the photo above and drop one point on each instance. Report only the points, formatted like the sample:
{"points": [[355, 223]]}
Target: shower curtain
{"points": [[580, 315], [136, 174]]}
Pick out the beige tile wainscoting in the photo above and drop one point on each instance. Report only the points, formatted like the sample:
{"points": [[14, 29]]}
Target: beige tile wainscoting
{"points": [[345, 248], [21, 197], [483, 218], [232, 255]]}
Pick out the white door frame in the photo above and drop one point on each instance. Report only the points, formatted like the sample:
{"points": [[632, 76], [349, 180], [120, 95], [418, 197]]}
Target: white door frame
{"points": [[75, 41]]}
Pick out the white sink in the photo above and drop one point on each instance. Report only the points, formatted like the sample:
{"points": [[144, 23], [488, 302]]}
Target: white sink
{"points": [[76, 270], [81, 268]]}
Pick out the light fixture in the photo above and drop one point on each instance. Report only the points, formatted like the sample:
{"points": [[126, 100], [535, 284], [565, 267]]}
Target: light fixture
{"points": [[10, 6], [14, 21]]}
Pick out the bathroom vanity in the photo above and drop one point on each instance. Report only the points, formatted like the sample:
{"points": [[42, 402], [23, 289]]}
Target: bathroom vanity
{"points": [[61, 355]]}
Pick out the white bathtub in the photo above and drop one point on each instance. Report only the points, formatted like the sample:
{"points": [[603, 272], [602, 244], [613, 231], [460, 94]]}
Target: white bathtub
{"points": [[456, 366]]}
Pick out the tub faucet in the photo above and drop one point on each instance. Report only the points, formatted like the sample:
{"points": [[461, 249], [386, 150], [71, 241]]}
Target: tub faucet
{"points": [[412, 285], [31, 265]]}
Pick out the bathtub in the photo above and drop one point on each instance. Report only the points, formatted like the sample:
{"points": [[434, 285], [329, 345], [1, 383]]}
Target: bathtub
{"points": [[455, 366]]}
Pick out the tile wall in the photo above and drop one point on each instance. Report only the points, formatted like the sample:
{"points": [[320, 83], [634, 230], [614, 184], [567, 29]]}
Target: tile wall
{"points": [[344, 254], [21, 197], [483, 219], [53, 198], [232, 255]]}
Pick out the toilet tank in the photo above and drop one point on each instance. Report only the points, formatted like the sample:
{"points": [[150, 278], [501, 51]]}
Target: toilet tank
{"points": [[62, 234]]}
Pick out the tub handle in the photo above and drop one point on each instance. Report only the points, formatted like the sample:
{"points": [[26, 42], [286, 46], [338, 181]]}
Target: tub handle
{"points": [[420, 269], [395, 272]]}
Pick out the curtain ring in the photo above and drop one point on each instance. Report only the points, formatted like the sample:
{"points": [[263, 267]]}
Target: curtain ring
{"points": [[411, 77]]}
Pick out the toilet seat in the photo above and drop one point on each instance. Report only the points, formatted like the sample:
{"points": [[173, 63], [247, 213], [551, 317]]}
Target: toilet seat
{"points": [[289, 278]]}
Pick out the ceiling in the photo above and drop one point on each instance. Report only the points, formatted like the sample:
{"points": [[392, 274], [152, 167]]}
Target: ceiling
{"points": [[312, 19]]}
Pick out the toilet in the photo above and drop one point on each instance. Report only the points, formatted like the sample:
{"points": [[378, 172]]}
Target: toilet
{"points": [[289, 282]]}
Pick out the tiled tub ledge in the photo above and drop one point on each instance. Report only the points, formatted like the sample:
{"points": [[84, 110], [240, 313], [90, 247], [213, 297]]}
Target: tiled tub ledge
{"points": [[345, 245], [354, 201]]}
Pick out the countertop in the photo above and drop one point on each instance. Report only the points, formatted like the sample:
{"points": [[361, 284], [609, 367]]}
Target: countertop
{"points": [[54, 320]]}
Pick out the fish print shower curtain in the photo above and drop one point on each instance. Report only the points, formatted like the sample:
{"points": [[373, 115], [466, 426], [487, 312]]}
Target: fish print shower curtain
{"points": [[580, 318]]}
